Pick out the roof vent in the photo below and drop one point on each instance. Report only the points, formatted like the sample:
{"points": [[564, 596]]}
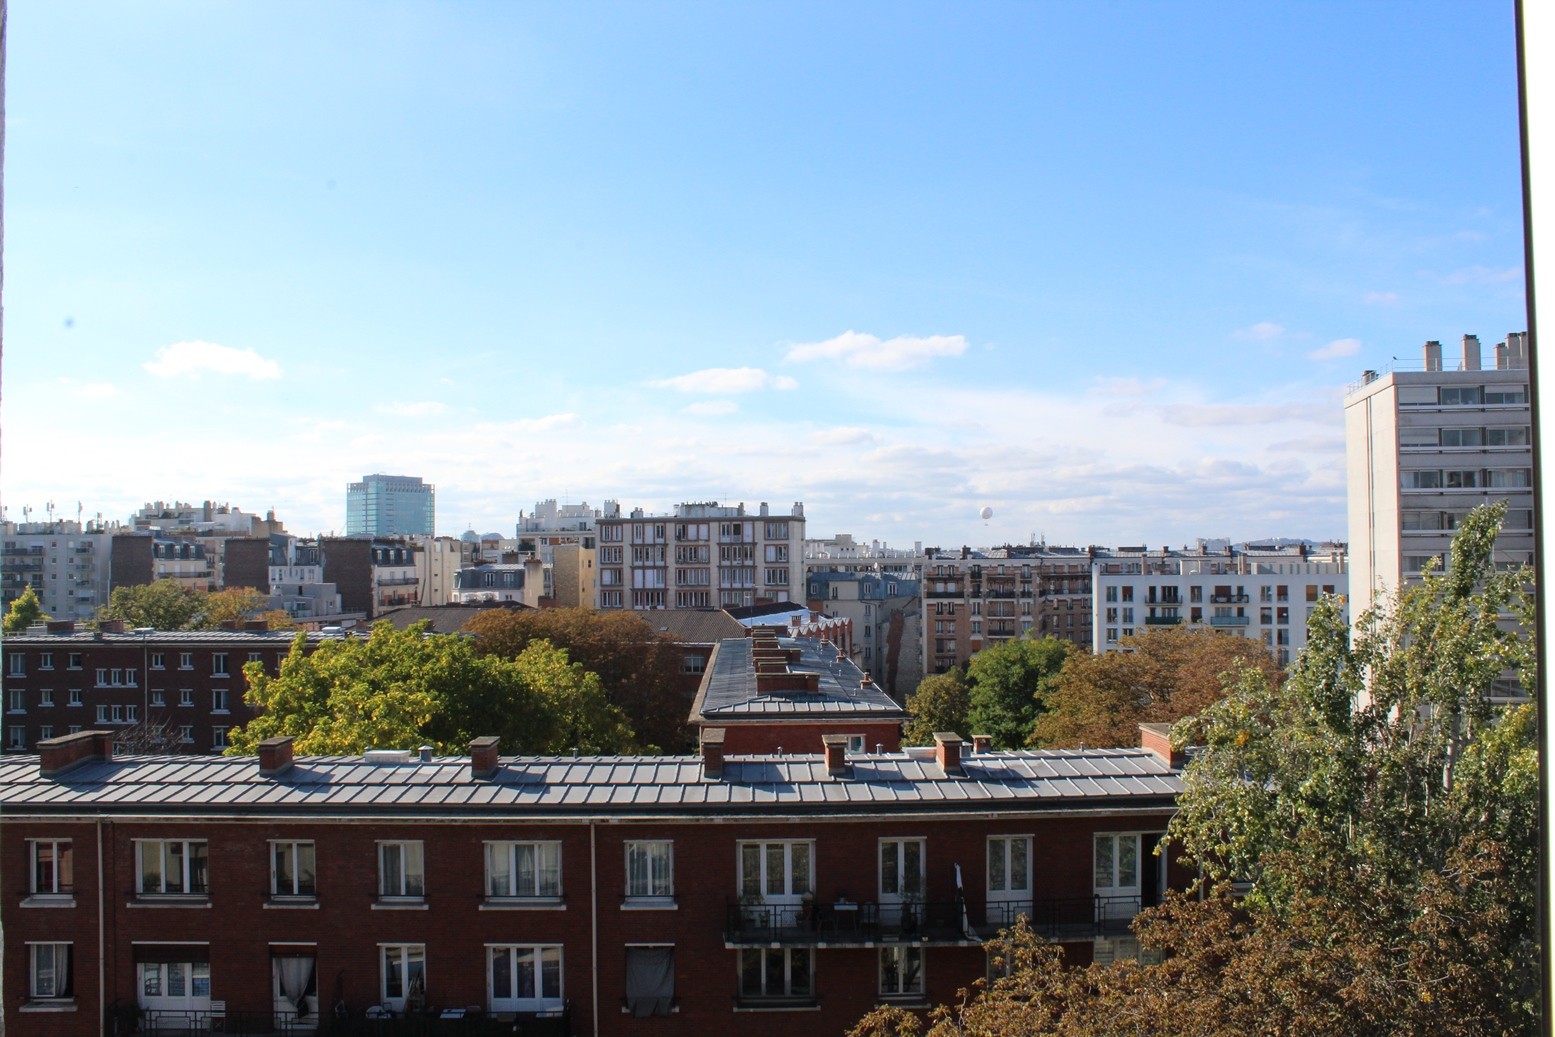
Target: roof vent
{"points": [[425, 752], [386, 757]]}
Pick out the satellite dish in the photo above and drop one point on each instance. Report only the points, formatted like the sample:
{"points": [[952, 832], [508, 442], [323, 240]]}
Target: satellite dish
{"points": [[985, 514]]}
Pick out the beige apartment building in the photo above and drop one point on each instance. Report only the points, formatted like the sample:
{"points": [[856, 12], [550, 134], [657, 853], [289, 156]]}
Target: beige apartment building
{"points": [[972, 599], [701, 556], [1423, 448]]}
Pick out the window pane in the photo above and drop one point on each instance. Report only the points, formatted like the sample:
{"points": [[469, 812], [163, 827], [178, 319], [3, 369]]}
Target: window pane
{"points": [[389, 868], [799, 971], [636, 870], [750, 972], [414, 871], [773, 980], [200, 979], [889, 883], [551, 972], [524, 869], [196, 858], [996, 851], [1128, 860], [306, 883], [151, 980], [550, 859], [173, 867], [177, 979], [775, 869], [1018, 864], [285, 878], [912, 868], [1103, 861], [663, 884], [524, 971], [501, 972], [801, 858], [750, 870]]}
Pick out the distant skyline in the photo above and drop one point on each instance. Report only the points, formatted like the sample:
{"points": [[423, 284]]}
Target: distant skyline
{"points": [[1105, 269]]}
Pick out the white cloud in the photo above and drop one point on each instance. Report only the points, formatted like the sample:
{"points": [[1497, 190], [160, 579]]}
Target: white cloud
{"points": [[1263, 331], [1126, 387], [710, 408], [862, 350], [89, 390], [725, 380], [192, 358], [1337, 348], [1200, 415], [417, 409], [1380, 298], [842, 436]]}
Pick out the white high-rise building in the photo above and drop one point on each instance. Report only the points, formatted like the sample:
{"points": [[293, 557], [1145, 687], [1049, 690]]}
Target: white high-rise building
{"points": [[1423, 448]]}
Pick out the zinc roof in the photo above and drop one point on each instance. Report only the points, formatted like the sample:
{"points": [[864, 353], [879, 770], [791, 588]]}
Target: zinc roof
{"points": [[557, 787], [729, 691]]}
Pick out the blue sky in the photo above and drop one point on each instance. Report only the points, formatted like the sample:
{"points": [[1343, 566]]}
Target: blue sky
{"points": [[1104, 267]]}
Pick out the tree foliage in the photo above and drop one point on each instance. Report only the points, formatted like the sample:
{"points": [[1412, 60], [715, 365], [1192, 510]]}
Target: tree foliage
{"points": [[1366, 833], [402, 688], [231, 605], [639, 668], [164, 605], [24, 612], [1159, 676], [940, 703], [1011, 682]]}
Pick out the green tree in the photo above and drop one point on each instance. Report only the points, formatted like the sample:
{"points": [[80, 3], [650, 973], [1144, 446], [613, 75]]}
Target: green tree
{"points": [[1159, 676], [1011, 681], [400, 688], [940, 703], [24, 612], [638, 668], [165, 605]]}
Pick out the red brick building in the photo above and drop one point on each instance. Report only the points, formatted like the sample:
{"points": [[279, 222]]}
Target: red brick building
{"points": [[757, 894], [189, 682]]}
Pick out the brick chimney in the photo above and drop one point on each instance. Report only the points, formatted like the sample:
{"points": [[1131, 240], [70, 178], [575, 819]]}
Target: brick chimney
{"points": [[712, 752], [1158, 739], [982, 744], [58, 755], [836, 748], [947, 752], [483, 757], [275, 756]]}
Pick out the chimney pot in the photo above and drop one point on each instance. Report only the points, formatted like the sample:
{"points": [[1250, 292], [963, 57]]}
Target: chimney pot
{"points": [[982, 744], [947, 752], [713, 752], [58, 755], [275, 756], [484, 761], [836, 749]]}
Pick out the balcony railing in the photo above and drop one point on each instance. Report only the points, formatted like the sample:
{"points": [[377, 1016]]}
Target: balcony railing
{"points": [[349, 1020], [1230, 599], [1230, 621], [844, 923], [1076, 918], [1162, 621]]}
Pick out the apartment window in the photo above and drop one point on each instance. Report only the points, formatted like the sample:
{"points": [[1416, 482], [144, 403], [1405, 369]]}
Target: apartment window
{"points": [[901, 971], [1112, 594], [171, 867], [527, 869], [51, 867], [1421, 480], [117, 713], [45, 732], [16, 666], [16, 701], [403, 972], [1128, 615], [901, 869], [1266, 615], [46, 661], [292, 869], [1507, 436], [1116, 861], [219, 664], [1009, 877], [1462, 436], [49, 976], [1266, 593], [776, 872], [525, 978], [131, 714], [186, 696], [73, 697], [1495, 396], [777, 973], [158, 661], [692, 664], [73, 660], [158, 697], [186, 734], [16, 737], [650, 980], [1112, 635], [219, 700], [650, 870], [401, 870], [102, 713], [218, 739], [46, 697], [102, 676]]}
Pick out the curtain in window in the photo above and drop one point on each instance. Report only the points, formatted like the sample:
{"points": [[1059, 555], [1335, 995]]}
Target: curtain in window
{"points": [[296, 973], [650, 980]]}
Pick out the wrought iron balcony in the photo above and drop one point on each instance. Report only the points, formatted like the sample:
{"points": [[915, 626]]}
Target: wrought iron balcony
{"points": [[1230, 621], [845, 923]]}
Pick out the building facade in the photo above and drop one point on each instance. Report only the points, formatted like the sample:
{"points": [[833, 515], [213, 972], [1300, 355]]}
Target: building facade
{"points": [[1424, 447], [391, 505], [67, 564], [702, 556], [1266, 593], [761, 894]]}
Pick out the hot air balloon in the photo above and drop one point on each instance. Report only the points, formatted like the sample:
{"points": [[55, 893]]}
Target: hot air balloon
{"points": [[985, 514]]}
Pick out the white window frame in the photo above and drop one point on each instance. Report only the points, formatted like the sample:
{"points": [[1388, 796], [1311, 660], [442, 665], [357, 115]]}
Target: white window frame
{"points": [[1008, 889], [219, 665], [793, 887], [61, 880], [655, 882], [899, 980], [546, 984], [895, 885], [405, 955], [50, 971], [407, 880], [296, 853], [220, 698], [504, 859], [762, 991], [186, 872]]}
